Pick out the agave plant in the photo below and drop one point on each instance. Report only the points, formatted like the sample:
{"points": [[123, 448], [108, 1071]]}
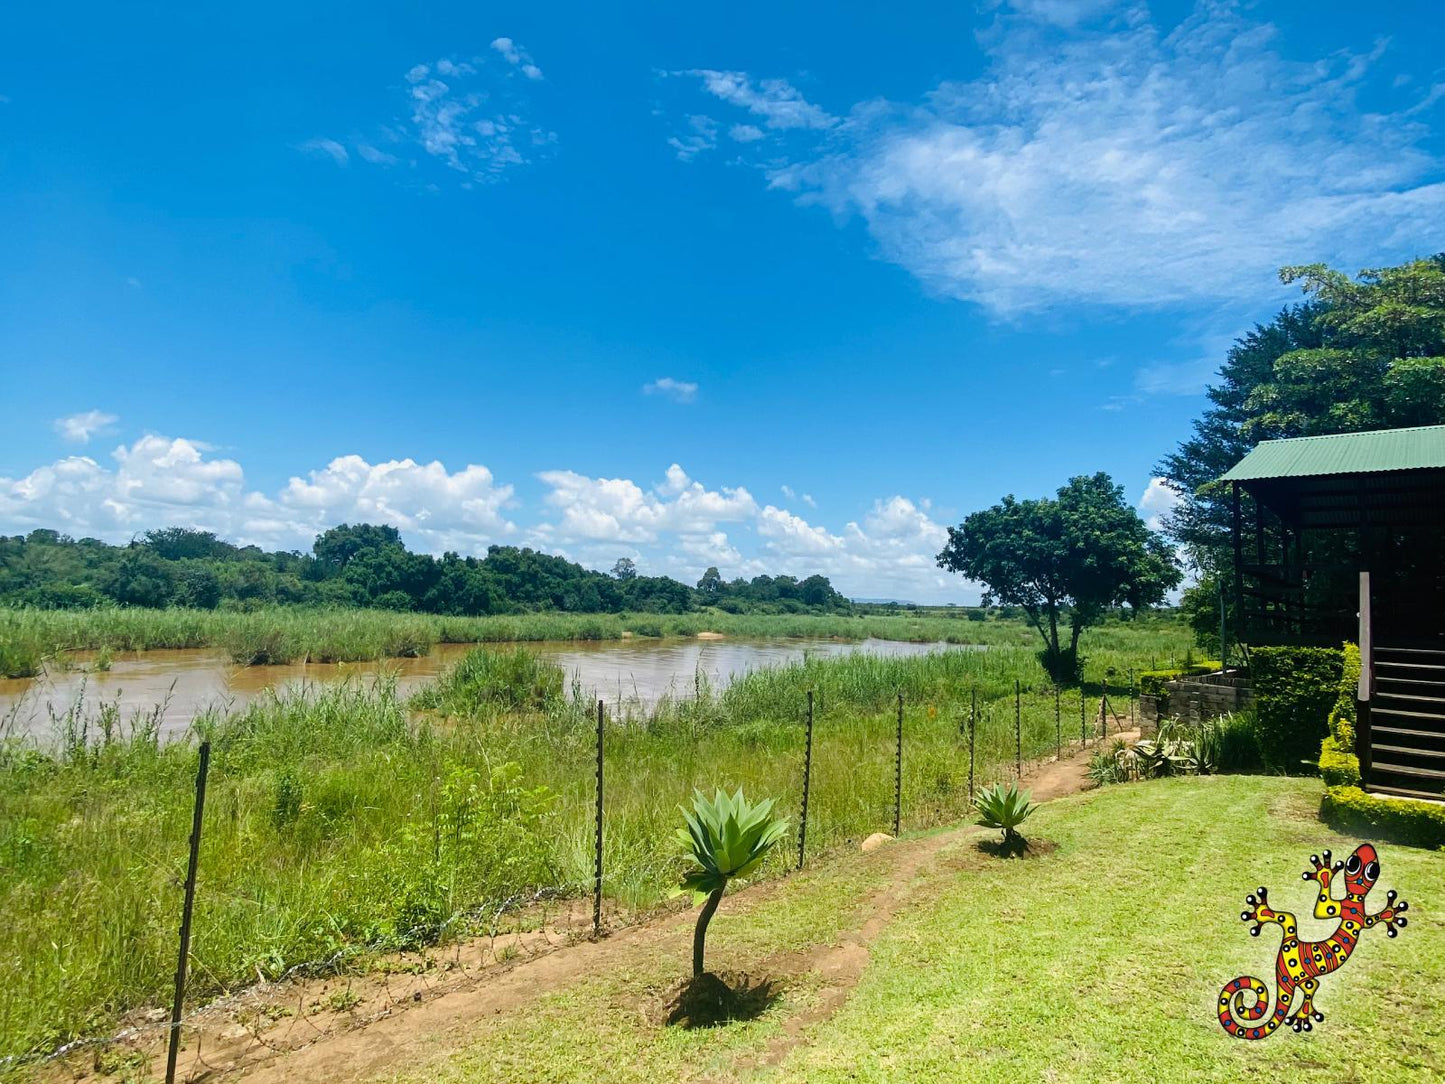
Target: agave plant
{"points": [[1004, 808], [725, 837]]}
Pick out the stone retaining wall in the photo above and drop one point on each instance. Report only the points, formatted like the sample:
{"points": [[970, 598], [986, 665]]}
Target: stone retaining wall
{"points": [[1198, 698]]}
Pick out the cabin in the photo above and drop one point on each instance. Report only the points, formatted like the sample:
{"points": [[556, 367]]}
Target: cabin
{"points": [[1342, 538]]}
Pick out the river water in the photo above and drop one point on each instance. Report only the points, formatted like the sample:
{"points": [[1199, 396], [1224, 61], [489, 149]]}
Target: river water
{"points": [[186, 683]]}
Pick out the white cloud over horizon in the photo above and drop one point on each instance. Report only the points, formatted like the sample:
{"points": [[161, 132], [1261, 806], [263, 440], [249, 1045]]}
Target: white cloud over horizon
{"points": [[676, 526]]}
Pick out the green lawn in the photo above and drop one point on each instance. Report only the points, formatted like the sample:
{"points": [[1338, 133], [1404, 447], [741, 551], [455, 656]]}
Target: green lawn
{"points": [[1101, 960]]}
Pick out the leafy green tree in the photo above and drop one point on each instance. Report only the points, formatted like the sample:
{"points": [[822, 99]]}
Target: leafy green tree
{"points": [[140, 578], [1357, 354], [710, 587], [624, 569], [337, 547], [197, 587], [725, 838], [1083, 552]]}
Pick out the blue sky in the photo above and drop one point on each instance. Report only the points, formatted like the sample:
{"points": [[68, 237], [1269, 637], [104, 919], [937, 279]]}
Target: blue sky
{"points": [[772, 287]]}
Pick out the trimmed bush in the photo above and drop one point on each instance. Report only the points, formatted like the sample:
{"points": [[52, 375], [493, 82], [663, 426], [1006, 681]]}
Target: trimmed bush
{"points": [[1296, 690], [1401, 820]]}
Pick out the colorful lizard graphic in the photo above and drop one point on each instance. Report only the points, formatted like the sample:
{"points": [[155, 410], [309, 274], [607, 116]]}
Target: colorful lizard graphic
{"points": [[1302, 963]]}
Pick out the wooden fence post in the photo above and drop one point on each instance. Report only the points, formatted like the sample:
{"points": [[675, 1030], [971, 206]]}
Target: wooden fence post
{"points": [[179, 1003]]}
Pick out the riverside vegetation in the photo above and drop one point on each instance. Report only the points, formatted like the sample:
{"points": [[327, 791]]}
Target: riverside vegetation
{"points": [[342, 822], [30, 638]]}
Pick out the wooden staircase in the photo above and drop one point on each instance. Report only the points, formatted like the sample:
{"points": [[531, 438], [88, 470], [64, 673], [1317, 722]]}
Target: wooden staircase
{"points": [[1407, 723]]}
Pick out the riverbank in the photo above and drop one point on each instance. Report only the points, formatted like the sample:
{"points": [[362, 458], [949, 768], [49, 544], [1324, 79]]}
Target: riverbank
{"points": [[30, 639]]}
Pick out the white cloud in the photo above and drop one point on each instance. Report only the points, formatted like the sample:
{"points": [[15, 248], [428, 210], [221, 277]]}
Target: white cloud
{"points": [[679, 391], [367, 153], [518, 57], [81, 427], [158, 481], [328, 148], [618, 509], [677, 527], [1125, 166], [472, 115], [700, 136], [745, 133], [779, 103], [1157, 502]]}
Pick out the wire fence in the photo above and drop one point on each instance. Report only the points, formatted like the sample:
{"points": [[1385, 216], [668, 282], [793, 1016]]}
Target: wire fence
{"points": [[847, 773]]}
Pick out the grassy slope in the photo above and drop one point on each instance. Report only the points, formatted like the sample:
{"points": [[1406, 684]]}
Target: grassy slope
{"points": [[1101, 961]]}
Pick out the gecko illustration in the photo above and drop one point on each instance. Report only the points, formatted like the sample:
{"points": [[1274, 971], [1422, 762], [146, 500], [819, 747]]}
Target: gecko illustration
{"points": [[1301, 964]]}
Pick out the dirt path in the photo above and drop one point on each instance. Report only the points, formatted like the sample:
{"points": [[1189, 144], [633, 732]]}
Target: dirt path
{"points": [[360, 1028]]}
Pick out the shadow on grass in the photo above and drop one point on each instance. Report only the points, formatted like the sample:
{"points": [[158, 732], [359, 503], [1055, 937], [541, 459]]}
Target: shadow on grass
{"points": [[1017, 847], [710, 1000]]}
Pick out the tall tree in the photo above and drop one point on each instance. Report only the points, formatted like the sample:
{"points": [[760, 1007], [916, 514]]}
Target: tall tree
{"points": [[1084, 551], [1358, 354]]}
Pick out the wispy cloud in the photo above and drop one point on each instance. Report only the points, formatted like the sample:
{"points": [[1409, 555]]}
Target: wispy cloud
{"points": [[701, 135], [518, 57], [1100, 160], [472, 115], [79, 428], [776, 101], [679, 391], [326, 148]]}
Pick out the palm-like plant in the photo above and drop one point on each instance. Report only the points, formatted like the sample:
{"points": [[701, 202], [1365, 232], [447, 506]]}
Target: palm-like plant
{"points": [[1004, 808], [725, 837]]}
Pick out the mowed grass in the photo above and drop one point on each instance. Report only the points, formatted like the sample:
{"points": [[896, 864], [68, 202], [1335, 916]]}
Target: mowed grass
{"points": [[1099, 961]]}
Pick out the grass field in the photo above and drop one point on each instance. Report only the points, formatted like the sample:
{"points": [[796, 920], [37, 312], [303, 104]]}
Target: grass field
{"points": [[28, 638], [341, 821], [1098, 961]]}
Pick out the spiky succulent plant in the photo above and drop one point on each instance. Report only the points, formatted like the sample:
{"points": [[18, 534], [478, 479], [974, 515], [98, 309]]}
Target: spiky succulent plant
{"points": [[725, 837]]}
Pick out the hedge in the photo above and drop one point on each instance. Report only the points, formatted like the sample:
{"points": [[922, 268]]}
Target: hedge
{"points": [[1295, 692], [1350, 809]]}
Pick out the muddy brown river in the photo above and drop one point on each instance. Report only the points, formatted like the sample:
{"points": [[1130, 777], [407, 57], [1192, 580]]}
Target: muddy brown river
{"points": [[187, 683]]}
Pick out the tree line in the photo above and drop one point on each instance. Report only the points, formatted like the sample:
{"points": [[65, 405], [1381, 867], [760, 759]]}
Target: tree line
{"points": [[365, 565]]}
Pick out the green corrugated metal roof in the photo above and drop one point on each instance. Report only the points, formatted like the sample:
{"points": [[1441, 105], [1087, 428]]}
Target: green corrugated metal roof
{"points": [[1343, 453]]}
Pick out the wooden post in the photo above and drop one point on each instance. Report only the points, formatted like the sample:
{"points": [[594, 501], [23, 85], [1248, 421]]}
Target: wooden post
{"points": [[807, 777], [1366, 686], [179, 1002], [1083, 729], [898, 773], [597, 838]]}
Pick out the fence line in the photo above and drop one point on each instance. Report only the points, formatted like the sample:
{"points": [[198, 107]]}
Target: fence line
{"points": [[464, 919]]}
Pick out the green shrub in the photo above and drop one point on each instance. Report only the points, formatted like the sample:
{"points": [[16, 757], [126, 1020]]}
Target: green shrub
{"points": [[1295, 689], [500, 680], [1339, 766], [1401, 820], [1237, 742]]}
